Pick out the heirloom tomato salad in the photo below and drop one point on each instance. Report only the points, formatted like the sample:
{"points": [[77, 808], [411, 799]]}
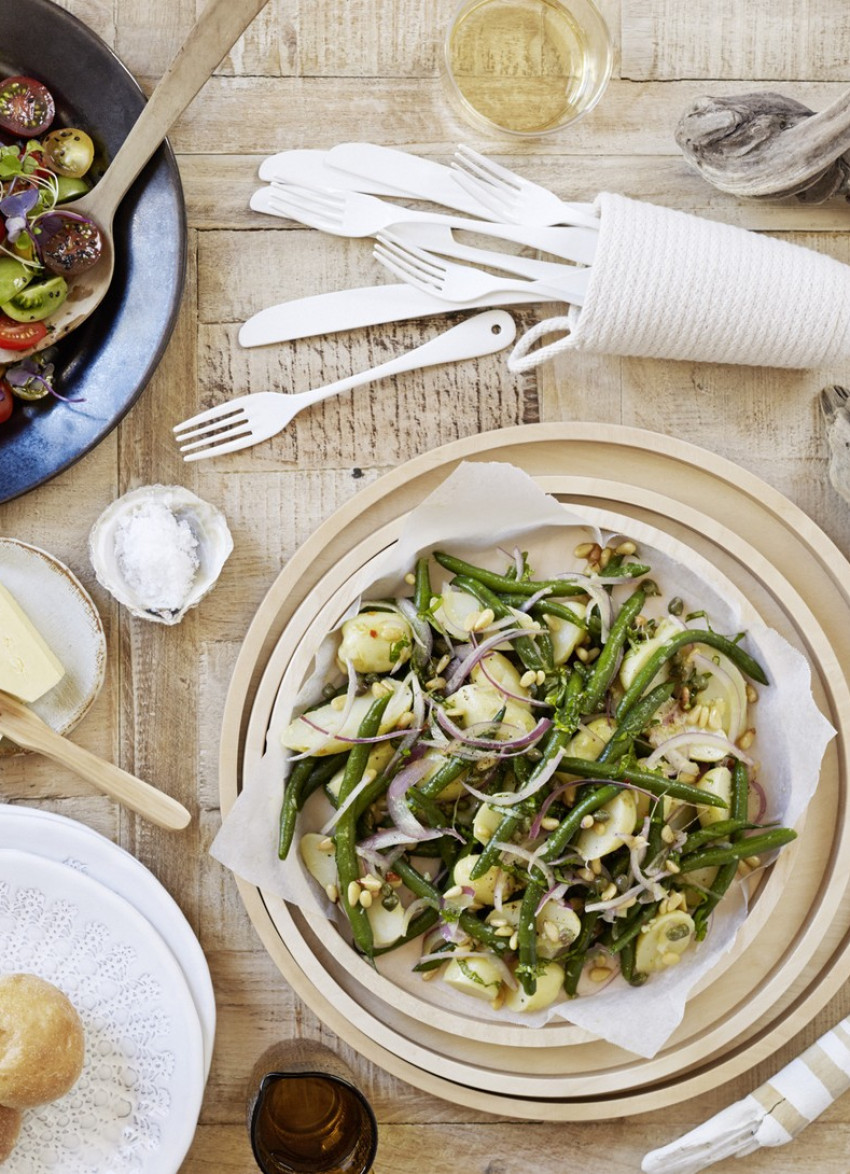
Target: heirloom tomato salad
{"points": [[42, 243], [547, 780]]}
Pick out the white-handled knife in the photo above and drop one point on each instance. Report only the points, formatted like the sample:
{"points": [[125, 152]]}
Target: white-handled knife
{"points": [[311, 169], [422, 179], [349, 309]]}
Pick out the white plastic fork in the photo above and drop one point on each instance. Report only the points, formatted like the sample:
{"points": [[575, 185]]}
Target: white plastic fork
{"points": [[250, 419], [462, 283], [514, 199], [355, 215]]}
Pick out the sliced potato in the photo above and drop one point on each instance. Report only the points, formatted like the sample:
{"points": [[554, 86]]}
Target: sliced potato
{"points": [[387, 924], [564, 635], [591, 739], [550, 982], [615, 819], [704, 878], [454, 610], [479, 977], [375, 642], [475, 704], [665, 940], [304, 739], [637, 657], [484, 887], [486, 820], [717, 781], [565, 924], [319, 862], [496, 667]]}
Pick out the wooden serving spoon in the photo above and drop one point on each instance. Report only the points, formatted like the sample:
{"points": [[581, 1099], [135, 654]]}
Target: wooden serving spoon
{"points": [[27, 730], [217, 29]]}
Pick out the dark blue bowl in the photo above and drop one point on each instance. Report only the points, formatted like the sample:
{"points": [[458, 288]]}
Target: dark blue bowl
{"points": [[109, 360]]}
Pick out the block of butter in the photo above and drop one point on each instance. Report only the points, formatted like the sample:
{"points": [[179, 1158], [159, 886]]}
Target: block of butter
{"points": [[28, 667]]}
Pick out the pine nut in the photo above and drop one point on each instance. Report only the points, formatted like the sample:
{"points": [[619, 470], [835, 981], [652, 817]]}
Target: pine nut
{"points": [[667, 834], [541, 676], [752, 694], [529, 677], [672, 866], [588, 821], [435, 683], [583, 549], [338, 703], [410, 579], [454, 891], [373, 883], [514, 942], [609, 893], [354, 891], [551, 931], [485, 619], [332, 893], [596, 866], [599, 974], [365, 899], [626, 548], [746, 739], [443, 663], [671, 958], [549, 823], [605, 558], [505, 931]]}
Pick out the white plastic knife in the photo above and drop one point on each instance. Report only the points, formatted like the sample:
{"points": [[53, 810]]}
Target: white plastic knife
{"points": [[349, 309], [311, 169], [421, 179]]}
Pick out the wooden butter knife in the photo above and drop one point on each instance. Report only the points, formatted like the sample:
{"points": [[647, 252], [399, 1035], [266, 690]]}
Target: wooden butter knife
{"points": [[27, 730]]}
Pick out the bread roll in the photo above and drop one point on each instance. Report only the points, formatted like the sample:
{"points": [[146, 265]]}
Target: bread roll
{"points": [[41, 1042], [10, 1125]]}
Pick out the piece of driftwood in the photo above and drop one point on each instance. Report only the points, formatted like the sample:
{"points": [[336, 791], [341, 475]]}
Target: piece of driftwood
{"points": [[766, 145], [835, 406]]}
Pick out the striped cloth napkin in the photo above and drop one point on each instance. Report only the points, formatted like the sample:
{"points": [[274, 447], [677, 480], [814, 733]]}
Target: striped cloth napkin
{"points": [[772, 1115]]}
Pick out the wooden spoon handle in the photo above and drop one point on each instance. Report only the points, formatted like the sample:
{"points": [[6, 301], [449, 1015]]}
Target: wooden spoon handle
{"points": [[215, 32], [31, 733]]}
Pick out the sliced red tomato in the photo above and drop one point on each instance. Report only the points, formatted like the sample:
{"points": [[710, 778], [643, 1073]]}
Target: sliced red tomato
{"points": [[7, 401], [20, 336], [26, 107]]}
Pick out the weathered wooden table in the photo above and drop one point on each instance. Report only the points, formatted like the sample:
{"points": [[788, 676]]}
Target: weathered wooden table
{"points": [[311, 75]]}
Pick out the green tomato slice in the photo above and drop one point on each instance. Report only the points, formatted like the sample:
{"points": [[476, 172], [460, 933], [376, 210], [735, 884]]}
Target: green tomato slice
{"points": [[13, 277], [37, 301]]}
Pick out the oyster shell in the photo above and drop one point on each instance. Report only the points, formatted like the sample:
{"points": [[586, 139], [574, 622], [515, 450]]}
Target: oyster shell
{"points": [[158, 550]]}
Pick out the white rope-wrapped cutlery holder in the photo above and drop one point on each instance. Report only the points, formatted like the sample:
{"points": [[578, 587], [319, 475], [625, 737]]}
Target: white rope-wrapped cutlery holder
{"points": [[670, 285], [773, 1115]]}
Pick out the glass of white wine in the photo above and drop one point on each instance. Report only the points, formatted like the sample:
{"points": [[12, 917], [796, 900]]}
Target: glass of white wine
{"points": [[527, 67], [306, 1115]]}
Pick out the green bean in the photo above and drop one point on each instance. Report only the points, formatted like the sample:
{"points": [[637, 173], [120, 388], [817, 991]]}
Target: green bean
{"points": [[635, 722], [324, 769], [605, 667], [469, 923], [526, 970], [637, 919], [497, 582], [627, 965], [345, 835], [547, 607], [591, 801], [289, 807], [670, 647], [721, 830], [575, 960], [422, 593], [655, 784], [751, 846], [655, 842], [726, 872]]}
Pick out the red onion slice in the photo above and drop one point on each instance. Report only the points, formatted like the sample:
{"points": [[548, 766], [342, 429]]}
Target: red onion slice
{"points": [[697, 737]]}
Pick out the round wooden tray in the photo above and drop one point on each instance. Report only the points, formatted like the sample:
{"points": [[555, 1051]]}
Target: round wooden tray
{"points": [[778, 535], [293, 657]]}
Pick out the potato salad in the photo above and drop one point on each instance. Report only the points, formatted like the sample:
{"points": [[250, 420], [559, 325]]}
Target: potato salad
{"points": [[546, 780]]}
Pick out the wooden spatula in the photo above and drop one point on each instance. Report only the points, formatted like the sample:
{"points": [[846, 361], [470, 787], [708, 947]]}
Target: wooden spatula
{"points": [[25, 727]]}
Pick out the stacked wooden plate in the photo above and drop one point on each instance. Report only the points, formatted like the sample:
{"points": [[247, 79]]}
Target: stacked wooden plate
{"points": [[795, 579]]}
